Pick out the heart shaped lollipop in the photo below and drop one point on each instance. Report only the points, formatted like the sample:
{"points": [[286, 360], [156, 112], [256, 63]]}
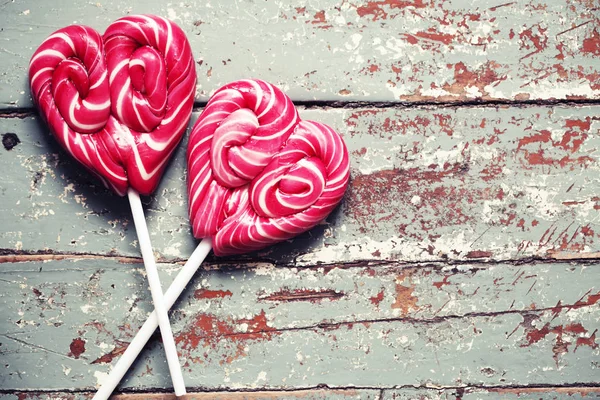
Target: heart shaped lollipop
{"points": [[257, 174], [119, 103]]}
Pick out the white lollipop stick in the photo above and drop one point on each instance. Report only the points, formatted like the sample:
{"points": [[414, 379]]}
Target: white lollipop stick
{"points": [[156, 291], [137, 344]]}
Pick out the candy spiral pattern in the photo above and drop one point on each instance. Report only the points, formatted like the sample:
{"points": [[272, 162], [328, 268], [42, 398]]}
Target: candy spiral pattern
{"points": [[257, 173], [118, 103]]}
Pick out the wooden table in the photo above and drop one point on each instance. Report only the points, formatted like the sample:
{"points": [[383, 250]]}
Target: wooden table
{"points": [[462, 263]]}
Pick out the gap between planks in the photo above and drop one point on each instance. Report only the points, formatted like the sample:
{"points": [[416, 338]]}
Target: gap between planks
{"points": [[322, 391], [8, 256], [402, 105]]}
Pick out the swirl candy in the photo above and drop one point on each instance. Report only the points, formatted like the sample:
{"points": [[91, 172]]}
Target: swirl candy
{"points": [[118, 103], [257, 173]]}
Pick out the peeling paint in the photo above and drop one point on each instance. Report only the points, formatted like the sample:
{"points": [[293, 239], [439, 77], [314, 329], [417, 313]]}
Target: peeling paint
{"points": [[423, 50]]}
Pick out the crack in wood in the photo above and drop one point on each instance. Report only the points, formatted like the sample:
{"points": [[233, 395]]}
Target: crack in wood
{"points": [[410, 320], [19, 258], [38, 347], [403, 105], [23, 113], [14, 256], [302, 295], [537, 388], [20, 113]]}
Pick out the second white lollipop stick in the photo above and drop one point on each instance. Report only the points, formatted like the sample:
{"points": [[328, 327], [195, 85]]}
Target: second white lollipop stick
{"points": [[156, 291]]}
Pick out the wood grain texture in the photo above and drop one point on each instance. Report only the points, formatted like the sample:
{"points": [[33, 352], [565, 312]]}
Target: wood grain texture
{"points": [[274, 395], [280, 328], [462, 263], [483, 394], [428, 184], [575, 393], [410, 50]]}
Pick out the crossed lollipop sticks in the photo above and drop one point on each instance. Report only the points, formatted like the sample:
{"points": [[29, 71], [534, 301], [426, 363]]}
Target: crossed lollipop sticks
{"points": [[257, 173]]}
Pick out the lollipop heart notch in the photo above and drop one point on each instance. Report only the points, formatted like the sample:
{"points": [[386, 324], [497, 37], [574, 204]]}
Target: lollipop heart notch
{"points": [[257, 173]]}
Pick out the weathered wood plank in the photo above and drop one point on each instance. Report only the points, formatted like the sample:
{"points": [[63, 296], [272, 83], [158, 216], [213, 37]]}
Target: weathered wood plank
{"points": [[370, 355], [427, 184], [303, 395], [485, 394], [574, 393], [351, 394], [282, 328], [292, 298], [414, 50]]}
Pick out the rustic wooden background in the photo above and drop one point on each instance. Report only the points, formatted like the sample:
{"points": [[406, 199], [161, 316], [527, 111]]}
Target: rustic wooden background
{"points": [[463, 262]]}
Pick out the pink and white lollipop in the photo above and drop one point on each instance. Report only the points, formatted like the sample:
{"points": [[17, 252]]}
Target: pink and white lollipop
{"points": [[257, 175], [119, 104]]}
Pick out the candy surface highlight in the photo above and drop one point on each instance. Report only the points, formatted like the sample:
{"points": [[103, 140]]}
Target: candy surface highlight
{"points": [[118, 103], [257, 173]]}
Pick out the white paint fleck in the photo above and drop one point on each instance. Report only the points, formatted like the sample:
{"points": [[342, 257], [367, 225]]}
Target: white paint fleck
{"points": [[436, 92], [473, 92], [172, 14], [361, 249], [358, 59], [264, 269], [397, 90], [548, 88], [101, 377], [494, 92], [340, 20], [455, 242], [442, 157], [106, 346], [354, 42], [541, 193], [173, 250], [262, 376]]}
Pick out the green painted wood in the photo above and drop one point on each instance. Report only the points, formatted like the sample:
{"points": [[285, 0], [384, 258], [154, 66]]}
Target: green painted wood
{"points": [[390, 295], [482, 394], [400, 394], [281, 328], [292, 298], [288, 395], [428, 184], [417, 50]]}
